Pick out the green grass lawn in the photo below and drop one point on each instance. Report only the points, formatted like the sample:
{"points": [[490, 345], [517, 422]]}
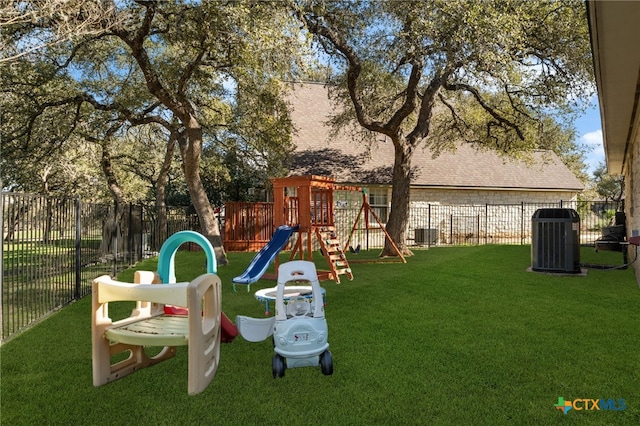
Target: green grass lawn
{"points": [[461, 335]]}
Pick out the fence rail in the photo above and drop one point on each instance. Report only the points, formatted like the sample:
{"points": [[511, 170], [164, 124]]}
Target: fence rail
{"points": [[249, 225], [52, 248], [440, 225]]}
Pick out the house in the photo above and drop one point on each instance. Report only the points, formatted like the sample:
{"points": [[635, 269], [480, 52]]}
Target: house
{"points": [[466, 177], [615, 41]]}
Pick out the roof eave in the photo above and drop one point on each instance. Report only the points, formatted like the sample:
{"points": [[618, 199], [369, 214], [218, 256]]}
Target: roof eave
{"points": [[613, 27]]}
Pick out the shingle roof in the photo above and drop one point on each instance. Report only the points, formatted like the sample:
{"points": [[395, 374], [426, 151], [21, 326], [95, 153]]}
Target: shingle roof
{"points": [[351, 162]]}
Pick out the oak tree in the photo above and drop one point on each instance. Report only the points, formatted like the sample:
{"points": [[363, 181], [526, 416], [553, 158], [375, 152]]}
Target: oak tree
{"points": [[438, 72], [148, 62]]}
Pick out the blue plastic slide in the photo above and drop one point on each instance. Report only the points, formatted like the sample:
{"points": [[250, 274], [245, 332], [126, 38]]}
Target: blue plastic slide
{"points": [[265, 256]]}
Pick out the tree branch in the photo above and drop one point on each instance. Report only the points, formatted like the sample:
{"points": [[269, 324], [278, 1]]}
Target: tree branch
{"points": [[488, 108], [354, 68], [411, 95], [139, 53], [58, 21]]}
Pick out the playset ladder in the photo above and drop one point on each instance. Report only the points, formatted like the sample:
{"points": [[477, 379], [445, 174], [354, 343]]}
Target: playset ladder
{"points": [[332, 251]]}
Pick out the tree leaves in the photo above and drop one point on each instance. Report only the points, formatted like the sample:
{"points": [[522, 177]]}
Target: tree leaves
{"points": [[192, 60], [441, 72]]}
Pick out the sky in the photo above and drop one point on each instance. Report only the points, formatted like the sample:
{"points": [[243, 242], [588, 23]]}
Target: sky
{"points": [[589, 132]]}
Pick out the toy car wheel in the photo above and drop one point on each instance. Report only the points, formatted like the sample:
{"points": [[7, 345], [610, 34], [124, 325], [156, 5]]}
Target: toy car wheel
{"points": [[278, 366], [326, 363]]}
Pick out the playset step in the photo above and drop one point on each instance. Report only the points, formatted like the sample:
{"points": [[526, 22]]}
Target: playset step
{"points": [[332, 251]]}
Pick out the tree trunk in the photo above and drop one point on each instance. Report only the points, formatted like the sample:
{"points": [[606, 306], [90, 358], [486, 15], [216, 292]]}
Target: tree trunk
{"points": [[191, 159], [191, 148], [107, 168], [399, 215], [46, 232], [111, 239], [160, 233]]}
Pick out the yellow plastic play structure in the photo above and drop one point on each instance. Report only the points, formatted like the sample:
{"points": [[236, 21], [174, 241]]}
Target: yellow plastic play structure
{"points": [[148, 325]]}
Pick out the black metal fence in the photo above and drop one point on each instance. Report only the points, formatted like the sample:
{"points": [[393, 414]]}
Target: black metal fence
{"points": [[438, 225], [52, 248]]}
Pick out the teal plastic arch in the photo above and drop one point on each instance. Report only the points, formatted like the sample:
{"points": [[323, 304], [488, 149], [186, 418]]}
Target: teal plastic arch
{"points": [[166, 267]]}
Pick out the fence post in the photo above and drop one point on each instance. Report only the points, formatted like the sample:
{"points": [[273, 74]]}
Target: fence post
{"points": [[428, 224], [486, 224], [128, 251], [114, 239], [450, 228], [78, 247], [521, 222], [140, 253]]}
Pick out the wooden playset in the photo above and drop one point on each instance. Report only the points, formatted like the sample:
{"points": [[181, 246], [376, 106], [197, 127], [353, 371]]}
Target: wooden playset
{"points": [[365, 212], [307, 201]]}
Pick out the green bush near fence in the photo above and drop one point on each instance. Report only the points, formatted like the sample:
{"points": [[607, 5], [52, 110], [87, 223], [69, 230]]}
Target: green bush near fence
{"points": [[458, 335]]}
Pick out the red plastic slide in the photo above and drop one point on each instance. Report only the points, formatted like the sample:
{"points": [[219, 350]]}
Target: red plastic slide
{"points": [[229, 329]]}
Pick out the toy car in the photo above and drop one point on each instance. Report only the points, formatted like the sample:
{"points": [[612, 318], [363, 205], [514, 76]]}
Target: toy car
{"points": [[300, 333], [299, 328]]}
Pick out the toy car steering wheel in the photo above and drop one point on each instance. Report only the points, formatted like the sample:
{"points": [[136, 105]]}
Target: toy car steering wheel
{"points": [[299, 307]]}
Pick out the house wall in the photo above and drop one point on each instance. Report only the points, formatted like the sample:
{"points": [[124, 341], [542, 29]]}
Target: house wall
{"points": [[459, 216], [632, 197], [509, 219], [482, 197]]}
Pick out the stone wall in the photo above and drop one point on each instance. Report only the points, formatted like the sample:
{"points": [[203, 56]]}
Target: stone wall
{"points": [[488, 196]]}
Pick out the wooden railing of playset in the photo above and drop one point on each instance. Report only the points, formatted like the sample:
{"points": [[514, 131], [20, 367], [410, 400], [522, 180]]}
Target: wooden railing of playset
{"points": [[248, 226]]}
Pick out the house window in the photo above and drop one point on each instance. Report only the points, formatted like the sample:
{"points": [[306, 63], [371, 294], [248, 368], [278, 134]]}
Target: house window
{"points": [[379, 204]]}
